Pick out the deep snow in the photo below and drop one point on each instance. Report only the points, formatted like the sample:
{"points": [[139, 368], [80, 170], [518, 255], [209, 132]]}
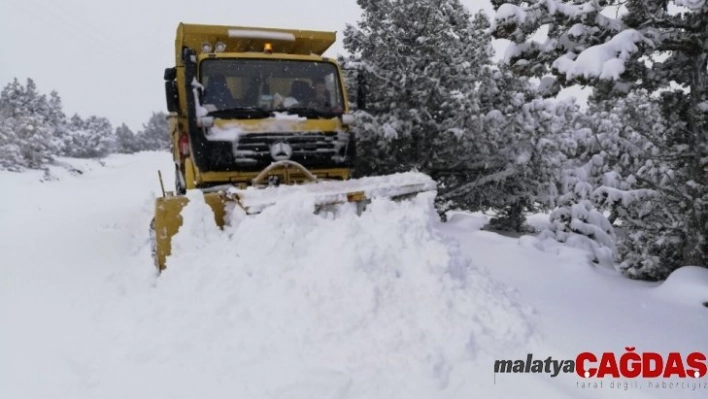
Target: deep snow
{"points": [[287, 304]]}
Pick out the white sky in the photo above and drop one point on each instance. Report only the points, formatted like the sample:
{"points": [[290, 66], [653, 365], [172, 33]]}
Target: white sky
{"points": [[106, 58]]}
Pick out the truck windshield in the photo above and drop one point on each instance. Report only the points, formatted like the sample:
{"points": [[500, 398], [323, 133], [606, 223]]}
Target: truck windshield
{"points": [[253, 88]]}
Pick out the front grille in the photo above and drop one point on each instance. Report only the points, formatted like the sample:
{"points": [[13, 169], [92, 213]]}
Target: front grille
{"points": [[257, 147], [252, 151]]}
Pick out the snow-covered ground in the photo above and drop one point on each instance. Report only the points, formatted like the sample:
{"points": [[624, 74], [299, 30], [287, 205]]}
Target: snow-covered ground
{"points": [[287, 304]]}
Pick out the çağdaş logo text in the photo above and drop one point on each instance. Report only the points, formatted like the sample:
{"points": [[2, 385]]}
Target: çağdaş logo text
{"points": [[629, 364]]}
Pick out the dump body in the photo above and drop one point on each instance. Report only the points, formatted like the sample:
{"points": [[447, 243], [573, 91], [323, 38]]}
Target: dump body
{"points": [[239, 39]]}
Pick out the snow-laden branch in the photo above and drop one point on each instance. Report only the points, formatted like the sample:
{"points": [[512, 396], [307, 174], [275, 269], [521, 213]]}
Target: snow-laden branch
{"points": [[466, 188], [603, 61]]}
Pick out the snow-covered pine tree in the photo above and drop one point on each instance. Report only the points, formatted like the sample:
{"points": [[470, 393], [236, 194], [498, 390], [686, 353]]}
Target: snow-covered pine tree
{"points": [[437, 104], [27, 129], [10, 151], [126, 140], [597, 176], [577, 221], [650, 46], [57, 119], [423, 60], [520, 154], [155, 133], [89, 138]]}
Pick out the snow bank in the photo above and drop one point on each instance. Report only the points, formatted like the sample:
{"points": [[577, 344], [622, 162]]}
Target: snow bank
{"points": [[291, 304], [687, 285], [468, 221]]}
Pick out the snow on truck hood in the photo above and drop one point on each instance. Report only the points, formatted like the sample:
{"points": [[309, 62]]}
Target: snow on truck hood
{"points": [[230, 130]]}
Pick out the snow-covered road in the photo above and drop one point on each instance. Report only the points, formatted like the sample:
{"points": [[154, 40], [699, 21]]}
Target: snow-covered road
{"points": [[287, 304]]}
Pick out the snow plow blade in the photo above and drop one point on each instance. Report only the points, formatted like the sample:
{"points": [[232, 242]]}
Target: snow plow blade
{"points": [[254, 200]]}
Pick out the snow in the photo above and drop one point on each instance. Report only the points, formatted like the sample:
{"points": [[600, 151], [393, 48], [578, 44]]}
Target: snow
{"points": [[577, 30], [225, 133], [287, 304], [548, 85], [604, 61], [232, 131], [687, 286], [287, 116], [693, 5], [539, 221], [326, 192], [510, 13]]}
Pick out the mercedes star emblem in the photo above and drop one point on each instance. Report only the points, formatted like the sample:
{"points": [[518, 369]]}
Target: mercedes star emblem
{"points": [[281, 151]]}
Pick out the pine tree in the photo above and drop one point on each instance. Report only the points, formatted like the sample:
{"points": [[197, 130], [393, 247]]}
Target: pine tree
{"points": [[517, 152], [126, 140], [89, 138], [155, 134], [436, 104], [10, 151], [27, 138], [647, 48], [57, 119], [422, 61]]}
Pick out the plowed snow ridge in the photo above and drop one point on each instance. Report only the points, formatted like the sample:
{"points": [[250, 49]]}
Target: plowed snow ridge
{"points": [[300, 304]]}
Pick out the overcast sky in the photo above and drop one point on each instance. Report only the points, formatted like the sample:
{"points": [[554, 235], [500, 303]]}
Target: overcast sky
{"points": [[106, 57]]}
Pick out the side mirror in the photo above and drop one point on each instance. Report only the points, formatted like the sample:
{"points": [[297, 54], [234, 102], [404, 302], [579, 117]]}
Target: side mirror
{"points": [[170, 73], [171, 94], [361, 91]]}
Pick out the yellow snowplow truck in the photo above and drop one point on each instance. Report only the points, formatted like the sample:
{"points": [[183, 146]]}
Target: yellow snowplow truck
{"points": [[254, 108]]}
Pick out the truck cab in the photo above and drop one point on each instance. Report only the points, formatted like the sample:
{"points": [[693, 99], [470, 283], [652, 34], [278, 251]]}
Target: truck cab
{"points": [[242, 99]]}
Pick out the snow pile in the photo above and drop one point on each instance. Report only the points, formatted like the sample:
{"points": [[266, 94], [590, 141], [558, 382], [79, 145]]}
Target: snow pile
{"points": [[687, 285], [288, 304]]}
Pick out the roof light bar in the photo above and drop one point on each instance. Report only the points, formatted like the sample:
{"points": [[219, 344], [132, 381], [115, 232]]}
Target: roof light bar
{"points": [[261, 34]]}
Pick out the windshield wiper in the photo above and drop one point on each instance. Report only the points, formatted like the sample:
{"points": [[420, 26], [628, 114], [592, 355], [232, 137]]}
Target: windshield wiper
{"points": [[242, 112]]}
